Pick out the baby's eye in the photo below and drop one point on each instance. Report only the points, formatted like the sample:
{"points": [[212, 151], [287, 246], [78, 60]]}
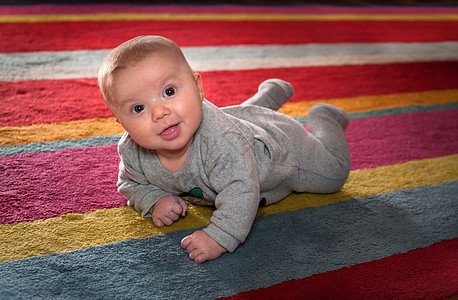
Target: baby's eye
{"points": [[170, 91], [138, 109]]}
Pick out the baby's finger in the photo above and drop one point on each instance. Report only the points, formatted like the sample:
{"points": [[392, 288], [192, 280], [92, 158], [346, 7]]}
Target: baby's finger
{"points": [[184, 205], [158, 222], [173, 216], [193, 254], [191, 248], [186, 241], [167, 221], [203, 257], [177, 210]]}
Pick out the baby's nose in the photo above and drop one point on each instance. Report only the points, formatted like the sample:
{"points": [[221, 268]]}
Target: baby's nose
{"points": [[159, 112]]}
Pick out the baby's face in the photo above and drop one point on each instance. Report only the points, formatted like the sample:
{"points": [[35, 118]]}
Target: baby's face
{"points": [[158, 102]]}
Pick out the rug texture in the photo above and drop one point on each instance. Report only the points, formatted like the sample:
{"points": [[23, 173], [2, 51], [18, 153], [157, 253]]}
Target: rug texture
{"points": [[390, 233]]}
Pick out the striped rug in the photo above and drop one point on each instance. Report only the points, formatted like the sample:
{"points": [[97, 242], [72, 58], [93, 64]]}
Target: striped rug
{"points": [[390, 233]]}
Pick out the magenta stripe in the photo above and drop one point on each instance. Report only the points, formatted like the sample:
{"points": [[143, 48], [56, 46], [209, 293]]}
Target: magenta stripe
{"points": [[44, 185], [390, 140], [252, 9]]}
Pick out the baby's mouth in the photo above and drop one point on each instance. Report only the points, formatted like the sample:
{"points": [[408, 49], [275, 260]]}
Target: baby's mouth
{"points": [[170, 132]]}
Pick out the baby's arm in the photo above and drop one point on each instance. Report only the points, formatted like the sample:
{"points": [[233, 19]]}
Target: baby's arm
{"points": [[167, 210], [233, 175], [201, 247], [139, 191]]}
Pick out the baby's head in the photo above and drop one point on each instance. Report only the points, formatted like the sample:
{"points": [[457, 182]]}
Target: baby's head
{"points": [[153, 93], [129, 54]]}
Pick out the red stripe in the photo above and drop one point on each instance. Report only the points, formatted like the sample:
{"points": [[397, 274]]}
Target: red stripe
{"points": [[45, 185], [44, 101], [424, 273], [315, 83], [61, 100], [23, 37]]}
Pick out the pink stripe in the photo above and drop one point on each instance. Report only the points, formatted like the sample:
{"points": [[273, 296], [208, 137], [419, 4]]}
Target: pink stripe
{"points": [[394, 139], [50, 184], [251, 9], [45, 185]]}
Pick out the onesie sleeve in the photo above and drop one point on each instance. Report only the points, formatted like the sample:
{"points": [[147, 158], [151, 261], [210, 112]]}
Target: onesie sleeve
{"points": [[132, 182], [233, 175]]}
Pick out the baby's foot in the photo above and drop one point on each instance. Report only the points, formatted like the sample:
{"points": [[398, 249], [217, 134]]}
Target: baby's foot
{"points": [[272, 94], [277, 90], [334, 112]]}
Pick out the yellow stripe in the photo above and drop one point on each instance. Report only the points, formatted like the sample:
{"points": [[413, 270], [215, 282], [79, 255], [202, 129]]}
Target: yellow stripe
{"points": [[369, 103], [224, 17], [48, 132], [76, 231]]}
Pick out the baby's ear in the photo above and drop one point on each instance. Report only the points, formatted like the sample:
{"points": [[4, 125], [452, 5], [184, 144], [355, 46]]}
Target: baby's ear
{"points": [[198, 80]]}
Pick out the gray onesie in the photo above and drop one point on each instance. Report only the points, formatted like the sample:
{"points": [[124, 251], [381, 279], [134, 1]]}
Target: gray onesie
{"points": [[242, 156]]}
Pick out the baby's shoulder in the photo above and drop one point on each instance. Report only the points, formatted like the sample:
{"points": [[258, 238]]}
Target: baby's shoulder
{"points": [[217, 124], [128, 148], [125, 142]]}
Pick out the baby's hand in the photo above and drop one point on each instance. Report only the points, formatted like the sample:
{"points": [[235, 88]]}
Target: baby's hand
{"points": [[167, 210], [201, 247]]}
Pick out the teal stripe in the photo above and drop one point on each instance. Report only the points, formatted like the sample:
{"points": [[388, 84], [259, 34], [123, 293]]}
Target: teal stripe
{"points": [[109, 140], [281, 247], [59, 145]]}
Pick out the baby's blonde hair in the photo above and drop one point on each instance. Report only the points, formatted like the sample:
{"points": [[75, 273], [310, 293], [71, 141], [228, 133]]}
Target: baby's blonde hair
{"points": [[129, 54]]}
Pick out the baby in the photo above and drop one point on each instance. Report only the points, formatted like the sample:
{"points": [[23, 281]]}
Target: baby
{"points": [[239, 157]]}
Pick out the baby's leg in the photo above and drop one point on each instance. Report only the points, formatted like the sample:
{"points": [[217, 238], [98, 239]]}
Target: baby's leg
{"points": [[325, 157], [272, 94]]}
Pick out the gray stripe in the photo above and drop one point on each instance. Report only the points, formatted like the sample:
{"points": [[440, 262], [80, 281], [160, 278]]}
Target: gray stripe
{"points": [[109, 140], [85, 63]]}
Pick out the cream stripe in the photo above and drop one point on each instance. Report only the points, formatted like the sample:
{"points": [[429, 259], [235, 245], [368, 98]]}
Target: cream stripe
{"points": [[40, 73], [75, 231], [266, 63], [85, 63], [225, 17], [47, 132]]}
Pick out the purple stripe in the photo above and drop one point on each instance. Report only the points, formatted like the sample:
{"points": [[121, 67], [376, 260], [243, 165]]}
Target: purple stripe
{"points": [[193, 9], [44, 185]]}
